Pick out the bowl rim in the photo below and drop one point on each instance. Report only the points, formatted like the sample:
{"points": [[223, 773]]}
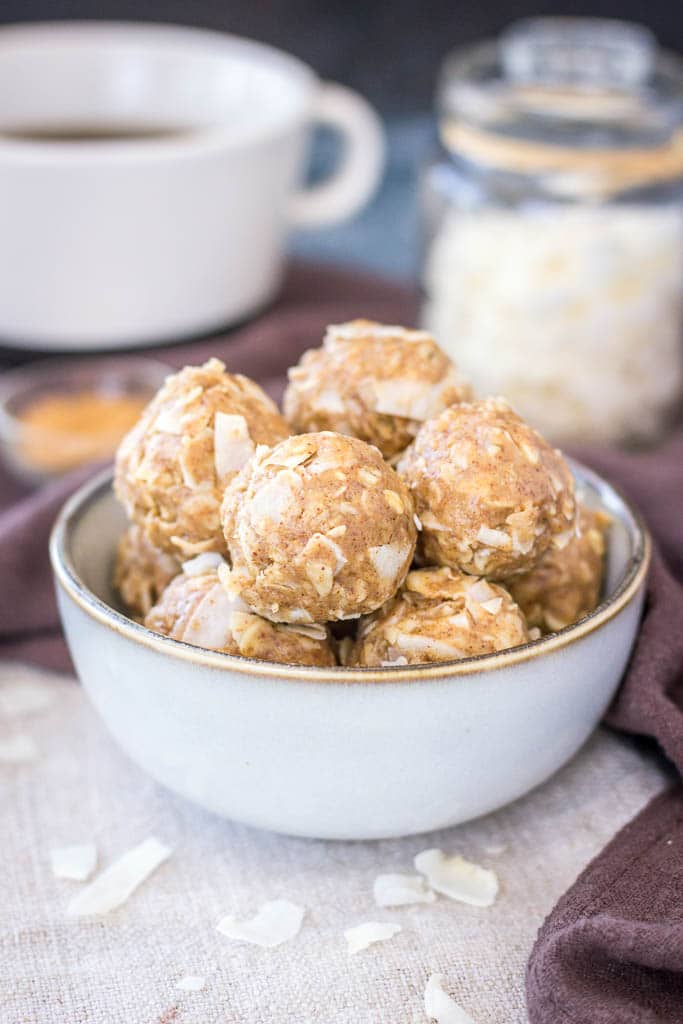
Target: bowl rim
{"points": [[628, 587]]}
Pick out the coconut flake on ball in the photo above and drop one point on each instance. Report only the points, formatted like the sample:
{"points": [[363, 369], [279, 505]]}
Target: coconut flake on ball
{"points": [[565, 583], [201, 608], [211, 624], [318, 528], [491, 493], [440, 615], [141, 571], [232, 442], [200, 565], [373, 381], [171, 468]]}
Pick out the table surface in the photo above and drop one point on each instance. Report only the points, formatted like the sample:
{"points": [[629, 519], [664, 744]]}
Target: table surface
{"points": [[123, 968]]}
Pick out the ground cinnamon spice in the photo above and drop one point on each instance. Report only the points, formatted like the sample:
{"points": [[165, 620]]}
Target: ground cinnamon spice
{"points": [[62, 431]]}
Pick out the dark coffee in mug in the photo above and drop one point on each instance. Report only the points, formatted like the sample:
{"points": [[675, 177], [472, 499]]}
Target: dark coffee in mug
{"points": [[86, 133]]}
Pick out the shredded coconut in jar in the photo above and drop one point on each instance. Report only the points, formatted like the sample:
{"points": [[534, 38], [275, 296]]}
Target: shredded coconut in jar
{"points": [[574, 314]]}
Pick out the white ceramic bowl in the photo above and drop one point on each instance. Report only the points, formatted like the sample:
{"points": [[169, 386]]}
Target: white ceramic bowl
{"points": [[343, 753]]}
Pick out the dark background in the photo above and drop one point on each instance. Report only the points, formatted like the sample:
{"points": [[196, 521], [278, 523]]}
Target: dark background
{"points": [[390, 50]]}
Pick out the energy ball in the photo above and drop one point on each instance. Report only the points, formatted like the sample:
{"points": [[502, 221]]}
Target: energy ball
{"points": [[372, 381], [439, 615], [172, 467], [197, 609], [566, 583], [141, 571], [318, 528], [490, 493]]}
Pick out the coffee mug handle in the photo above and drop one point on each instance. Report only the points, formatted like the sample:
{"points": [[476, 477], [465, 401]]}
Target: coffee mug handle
{"points": [[360, 168]]}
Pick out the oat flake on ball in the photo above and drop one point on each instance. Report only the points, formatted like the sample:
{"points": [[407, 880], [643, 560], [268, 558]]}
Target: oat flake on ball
{"points": [[318, 528], [566, 583], [372, 381], [141, 571], [171, 468], [439, 615], [491, 494], [197, 609]]}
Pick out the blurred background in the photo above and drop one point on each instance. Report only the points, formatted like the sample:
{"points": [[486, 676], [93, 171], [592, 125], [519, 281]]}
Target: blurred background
{"points": [[389, 51], [539, 209]]}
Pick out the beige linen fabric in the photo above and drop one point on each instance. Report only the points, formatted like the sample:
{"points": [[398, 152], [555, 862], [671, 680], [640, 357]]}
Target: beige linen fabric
{"points": [[123, 968]]}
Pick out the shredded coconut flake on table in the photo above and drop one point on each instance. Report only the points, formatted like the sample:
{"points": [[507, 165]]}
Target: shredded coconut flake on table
{"points": [[120, 880], [458, 878], [191, 983], [276, 922], [363, 935], [401, 890], [440, 1007], [18, 749], [76, 862]]}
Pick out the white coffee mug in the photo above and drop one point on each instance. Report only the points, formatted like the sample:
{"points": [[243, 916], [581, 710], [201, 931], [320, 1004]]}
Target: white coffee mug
{"points": [[149, 175]]}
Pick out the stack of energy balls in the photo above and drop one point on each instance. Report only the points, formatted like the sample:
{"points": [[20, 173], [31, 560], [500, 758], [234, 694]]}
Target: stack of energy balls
{"points": [[386, 519]]}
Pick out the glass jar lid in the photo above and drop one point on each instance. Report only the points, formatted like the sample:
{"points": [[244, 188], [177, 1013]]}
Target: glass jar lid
{"points": [[591, 102]]}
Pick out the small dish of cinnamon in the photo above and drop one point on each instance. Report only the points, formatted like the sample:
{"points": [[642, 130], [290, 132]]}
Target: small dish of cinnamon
{"points": [[58, 415]]}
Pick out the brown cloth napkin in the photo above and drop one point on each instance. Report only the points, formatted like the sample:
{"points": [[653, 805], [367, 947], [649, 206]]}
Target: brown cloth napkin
{"points": [[612, 950]]}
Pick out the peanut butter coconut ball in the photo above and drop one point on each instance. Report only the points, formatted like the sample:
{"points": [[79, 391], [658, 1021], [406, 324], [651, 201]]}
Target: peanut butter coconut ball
{"points": [[491, 494], [197, 609], [318, 528], [439, 615], [566, 583], [372, 381], [141, 571], [171, 468]]}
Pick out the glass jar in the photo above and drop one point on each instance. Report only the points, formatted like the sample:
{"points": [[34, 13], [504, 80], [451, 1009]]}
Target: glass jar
{"points": [[553, 268]]}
